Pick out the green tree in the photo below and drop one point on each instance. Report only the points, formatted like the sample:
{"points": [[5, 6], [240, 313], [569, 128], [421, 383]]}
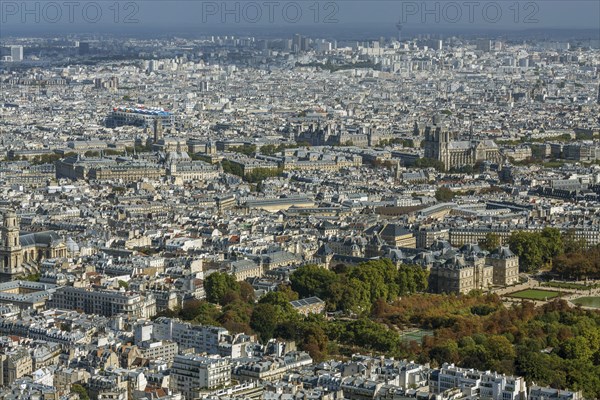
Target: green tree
{"points": [[583, 375], [267, 317], [232, 168], [540, 368], [206, 313], [246, 149], [430, 163], [246, 292], [288, 292], [411, 279], [195, 309], [444, 194], [276, 299], [34, 277], [312, 280], [268, 149], [259, 174], [445, 352], [528, 247], [552, 244], [476, 356], [351, 295], [500, 348], [235, 316], [535, 249], [372, 336], [80, 391], [576, 348], [491, 241], [571, 244], [218, 284], [313, 337], [380, 278]]}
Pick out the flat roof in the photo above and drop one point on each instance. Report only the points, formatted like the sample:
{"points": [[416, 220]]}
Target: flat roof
{"points": [[143, 110]]}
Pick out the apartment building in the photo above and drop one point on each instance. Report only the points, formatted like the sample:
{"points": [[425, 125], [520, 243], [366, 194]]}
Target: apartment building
{"points": [[103, 302], [163, 350], [476, 234], [478, 384], [271, 369], [14, 365], [105, 169], [201, 338], [192, 373]]}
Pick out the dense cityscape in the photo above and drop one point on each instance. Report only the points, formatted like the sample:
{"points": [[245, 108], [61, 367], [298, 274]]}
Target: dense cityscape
{"points": [[236, 217]]}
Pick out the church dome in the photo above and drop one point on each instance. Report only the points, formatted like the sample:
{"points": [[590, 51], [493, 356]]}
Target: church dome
{"points": [[72, 246]]}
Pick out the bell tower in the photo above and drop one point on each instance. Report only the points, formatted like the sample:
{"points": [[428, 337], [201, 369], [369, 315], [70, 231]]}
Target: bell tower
{"points": [[11, 256], [158, 130], [10, 231]]}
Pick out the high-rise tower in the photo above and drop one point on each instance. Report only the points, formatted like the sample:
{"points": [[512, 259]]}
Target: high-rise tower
{"points": [[399, 26]]}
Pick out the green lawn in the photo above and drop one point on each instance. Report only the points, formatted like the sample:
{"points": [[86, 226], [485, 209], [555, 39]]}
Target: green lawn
{"points": [[588, 301], [535, 294]]}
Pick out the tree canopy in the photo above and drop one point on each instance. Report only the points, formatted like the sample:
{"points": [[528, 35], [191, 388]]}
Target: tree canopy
{"points": [[444, 194], [536, 249], [218, 284], [356, 289], [430, 163], [552, 345]]}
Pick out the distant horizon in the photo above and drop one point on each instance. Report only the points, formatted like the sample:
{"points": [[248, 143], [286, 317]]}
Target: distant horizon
{"points": [[342, 32], [343, 17]]}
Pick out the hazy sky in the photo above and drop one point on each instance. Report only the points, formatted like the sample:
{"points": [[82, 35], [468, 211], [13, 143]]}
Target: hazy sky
{"points": [[282, 15]]}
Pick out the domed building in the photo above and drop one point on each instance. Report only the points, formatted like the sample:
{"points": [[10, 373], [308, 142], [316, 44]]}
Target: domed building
{"points": [[72, 247]]}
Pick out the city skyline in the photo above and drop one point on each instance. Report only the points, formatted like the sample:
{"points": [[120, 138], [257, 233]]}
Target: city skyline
{"points": [[372, 206]]}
